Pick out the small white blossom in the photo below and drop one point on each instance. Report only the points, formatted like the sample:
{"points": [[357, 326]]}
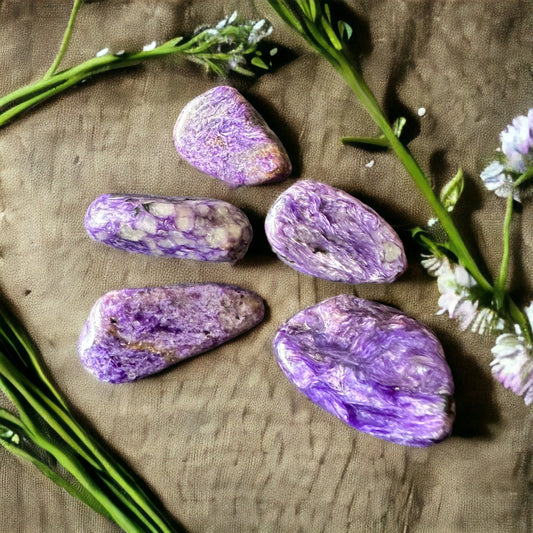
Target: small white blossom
{"points": [[370, 164], [421, 111], [435, 265], [498, 180], [102, 52], [149, 46], [260, 30], [513, 365]]}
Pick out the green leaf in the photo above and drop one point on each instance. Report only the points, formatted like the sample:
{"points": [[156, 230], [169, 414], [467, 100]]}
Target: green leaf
{"points": [[333, 39], [328, 12], [398, 125], [424, 238], [345, 28], [452, 191], [312, 9], [258, 62], [284, 11], [380, 141], [305, 9]]}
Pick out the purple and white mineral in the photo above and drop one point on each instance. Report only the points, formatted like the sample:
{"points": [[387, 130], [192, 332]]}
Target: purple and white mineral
{"points": [[189, 228], [322, 231], [221, 134], [372, 366], [133, 333]]}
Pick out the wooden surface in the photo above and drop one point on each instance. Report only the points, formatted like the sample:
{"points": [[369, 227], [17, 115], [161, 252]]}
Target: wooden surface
{"points": [[224, 439]]}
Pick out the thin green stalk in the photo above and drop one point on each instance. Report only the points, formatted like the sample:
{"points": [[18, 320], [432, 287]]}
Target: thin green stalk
{"points": [[66, 39], [9, 421], [499, 285], [367, 99], [17, 337], [373, 141], [528, 174], [338, 57], [42, 406], [76, 467]]}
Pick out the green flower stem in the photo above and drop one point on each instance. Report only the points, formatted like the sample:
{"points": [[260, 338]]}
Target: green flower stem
{"points": [[66, 39], [367, 99], [27, 352], [57, 419], [66, 453], [30, 95], [499, 286], [528, 174]]}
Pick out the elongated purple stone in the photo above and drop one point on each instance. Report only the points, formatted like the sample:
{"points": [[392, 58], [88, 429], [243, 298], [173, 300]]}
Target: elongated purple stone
{"points": [[189, 228], [221, 134], [324, 232], [372, 366], [133, 333]]}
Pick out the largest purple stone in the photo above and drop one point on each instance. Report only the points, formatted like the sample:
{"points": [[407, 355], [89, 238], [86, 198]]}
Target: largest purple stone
{"points": [[132, 333], [372, 366]]}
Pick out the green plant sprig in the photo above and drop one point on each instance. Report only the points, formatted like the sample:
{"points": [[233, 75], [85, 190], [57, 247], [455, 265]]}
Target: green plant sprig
{"points": [[312, 20], [231, 45]]}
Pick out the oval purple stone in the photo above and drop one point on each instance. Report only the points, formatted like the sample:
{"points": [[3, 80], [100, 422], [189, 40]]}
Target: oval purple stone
{"points": [[204, 229], [372, 366], [324, 232], [132, 333], [221, 134]]}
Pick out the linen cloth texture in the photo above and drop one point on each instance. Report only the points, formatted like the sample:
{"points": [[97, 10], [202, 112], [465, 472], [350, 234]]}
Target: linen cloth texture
{"points": [[224, 439]]}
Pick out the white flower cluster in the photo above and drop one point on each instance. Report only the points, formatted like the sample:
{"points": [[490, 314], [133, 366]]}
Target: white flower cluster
{"points": [[512, 363], [456, 298]]}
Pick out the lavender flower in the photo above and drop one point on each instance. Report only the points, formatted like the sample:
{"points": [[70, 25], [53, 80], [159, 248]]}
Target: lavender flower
{"points": [[515, 157], [517, 143]]}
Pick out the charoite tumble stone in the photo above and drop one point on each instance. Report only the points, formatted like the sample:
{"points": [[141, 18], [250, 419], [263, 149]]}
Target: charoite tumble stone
{"points": [[188, 228], [324, 232], [132, 333], [372, 366], [221, 134]]}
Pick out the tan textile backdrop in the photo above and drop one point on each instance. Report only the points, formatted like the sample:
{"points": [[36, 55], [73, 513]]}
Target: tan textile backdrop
{"points": [[224, 439]]}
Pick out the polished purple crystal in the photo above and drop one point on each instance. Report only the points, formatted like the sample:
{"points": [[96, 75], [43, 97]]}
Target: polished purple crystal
{"points": [[188, 228], [323, 231], [372, 366], [133, 333], [220, 133]]}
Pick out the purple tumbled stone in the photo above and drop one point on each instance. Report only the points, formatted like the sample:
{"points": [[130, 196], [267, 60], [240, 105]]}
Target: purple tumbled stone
{"points": [[372, 366], [324, 232], [221, 134], [133, 333], [189, 228]]}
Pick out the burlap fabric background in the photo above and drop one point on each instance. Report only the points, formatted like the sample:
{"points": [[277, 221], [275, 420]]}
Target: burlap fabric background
{"points": [[225, 440]]}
